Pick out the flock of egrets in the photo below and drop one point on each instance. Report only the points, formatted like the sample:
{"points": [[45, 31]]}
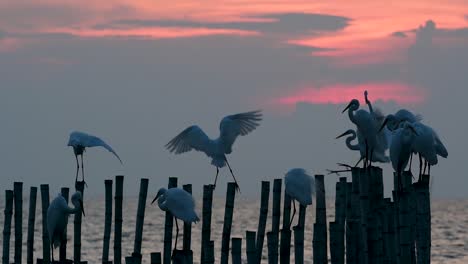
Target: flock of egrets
{"points": [[402, 134]]}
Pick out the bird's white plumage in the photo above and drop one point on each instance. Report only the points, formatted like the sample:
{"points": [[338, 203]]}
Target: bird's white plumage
{"points": [[401, 147], [81, 139], [179, 202], [377, 156], [57, 216], [299, 186], [230, 128]]}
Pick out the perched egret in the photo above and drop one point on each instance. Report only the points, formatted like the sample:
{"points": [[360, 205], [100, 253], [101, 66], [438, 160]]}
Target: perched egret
{"points": [[179, 203], [230, 128], [360, 146], [366, 127], [57, 218], [383, 137], [299, 186], [401, 148], [80, 141]]}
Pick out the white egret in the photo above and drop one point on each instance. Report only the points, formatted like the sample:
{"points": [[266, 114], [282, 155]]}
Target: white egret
{"points": [[179, 203], [57, 218], [299, 186], [383, 137], [80, 141], [230, 128], [360, 146]]}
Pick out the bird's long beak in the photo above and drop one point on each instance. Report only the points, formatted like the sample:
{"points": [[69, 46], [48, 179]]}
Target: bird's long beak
{"points": [[349, 105], [82, 208], [342, 135], [155, 198], [383, 124]]}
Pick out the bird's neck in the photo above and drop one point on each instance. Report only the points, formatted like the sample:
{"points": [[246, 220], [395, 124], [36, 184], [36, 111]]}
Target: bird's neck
{"points": [[348, 142]]}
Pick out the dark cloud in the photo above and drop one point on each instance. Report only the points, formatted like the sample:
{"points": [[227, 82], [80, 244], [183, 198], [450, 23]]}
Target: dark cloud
{"points": [[288, 23], [399, 34]]}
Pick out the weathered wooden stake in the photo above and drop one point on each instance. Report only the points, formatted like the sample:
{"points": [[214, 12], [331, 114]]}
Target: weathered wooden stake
{"points": [[285, 241], [364, 212], [7, 226], [299, 244], [333, 226], [264, 198], [18, 200], [423, 221], [236, 250], [136, 255], [351, 228], [118, 220], [319, 241], [272, 242], [209, 252], [228, 213], [340, 217], [206, 218], [107, 222], [168, 227], [45, 234], [155, 258], [187, 239], [31, 221], [63, 244], [250, 247], [79, 186], [276, 211]]}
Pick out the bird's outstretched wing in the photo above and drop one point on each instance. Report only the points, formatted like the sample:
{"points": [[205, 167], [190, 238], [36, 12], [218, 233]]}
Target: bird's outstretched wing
{"points": [[242, 124], [192, 137], [87, 140]]}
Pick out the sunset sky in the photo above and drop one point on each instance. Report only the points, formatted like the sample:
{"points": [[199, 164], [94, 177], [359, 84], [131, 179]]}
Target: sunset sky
{"points": [[137, 72]]}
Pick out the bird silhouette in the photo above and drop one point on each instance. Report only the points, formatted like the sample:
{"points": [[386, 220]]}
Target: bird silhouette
{"points": [[300, 187], [230, 128], [57, 218], [179, 203], [80, 141]]}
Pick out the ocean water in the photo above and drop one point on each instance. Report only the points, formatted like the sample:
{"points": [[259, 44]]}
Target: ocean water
{"points": [[449, 229]]}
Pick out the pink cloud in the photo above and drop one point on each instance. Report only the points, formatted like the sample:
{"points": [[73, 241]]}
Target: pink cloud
{"points": [[343, 93]]}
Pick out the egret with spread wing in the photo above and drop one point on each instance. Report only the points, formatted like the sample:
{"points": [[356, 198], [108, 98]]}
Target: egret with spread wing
{"points": [[230, 128], [80, 141], [57, 218]]}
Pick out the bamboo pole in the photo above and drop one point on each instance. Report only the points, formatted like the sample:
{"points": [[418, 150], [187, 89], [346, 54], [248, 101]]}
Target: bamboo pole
{"points": [[334, 252], [404, 227], [276, 211], [18, 201], [206, 218], [236, 250], [209, 252], [79, 186], [351, 229], [340, 217], [7, 226], [45, 234], [423, 227], [118, 220], [251, 248], [319, 242], [228, 213], [155, 258], [107, 221], [168, 227], [31, 221], [298, 244], [285, 241], [272, 242], [264, 198], [364, 211], [187, 239], [140, 219], [63, 244]]}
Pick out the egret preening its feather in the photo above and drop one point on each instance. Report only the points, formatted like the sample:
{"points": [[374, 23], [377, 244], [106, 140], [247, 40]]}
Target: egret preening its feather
{"points": [[80, 141], [179, 203], [57, 218], [230, 128], [299, 186]]}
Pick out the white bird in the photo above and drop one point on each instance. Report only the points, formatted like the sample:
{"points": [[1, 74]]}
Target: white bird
{"points": [[230, 128], [401, 148], [360, 146], [299, 186], [80, 141], [57, 218], [179, 203], [402, 115]]}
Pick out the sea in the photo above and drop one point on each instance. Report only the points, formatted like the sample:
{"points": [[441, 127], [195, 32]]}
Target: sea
{"points": [[449, 229]]}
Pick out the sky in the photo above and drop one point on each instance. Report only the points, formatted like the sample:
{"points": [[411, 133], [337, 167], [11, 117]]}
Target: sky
{"points": [[136, 73]]}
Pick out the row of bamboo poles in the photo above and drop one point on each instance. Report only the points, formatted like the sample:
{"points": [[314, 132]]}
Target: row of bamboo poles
{"points": [[368, 228]]}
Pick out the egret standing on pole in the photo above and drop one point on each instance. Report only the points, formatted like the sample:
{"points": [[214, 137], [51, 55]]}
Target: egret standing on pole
{"points": [[80, 141], [230, 128], [299, 186], [57, 218]]}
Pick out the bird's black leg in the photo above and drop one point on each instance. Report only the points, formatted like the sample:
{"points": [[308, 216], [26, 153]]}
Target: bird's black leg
{"points": [[176, 237], [77, 168], [370, 160], [410, 161], [429, 169], [82, 170], [216, 178], [359, 161], [52, 249], [294, 212], [425, 166], [229, 166], [420, 167], [367, 155]]}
